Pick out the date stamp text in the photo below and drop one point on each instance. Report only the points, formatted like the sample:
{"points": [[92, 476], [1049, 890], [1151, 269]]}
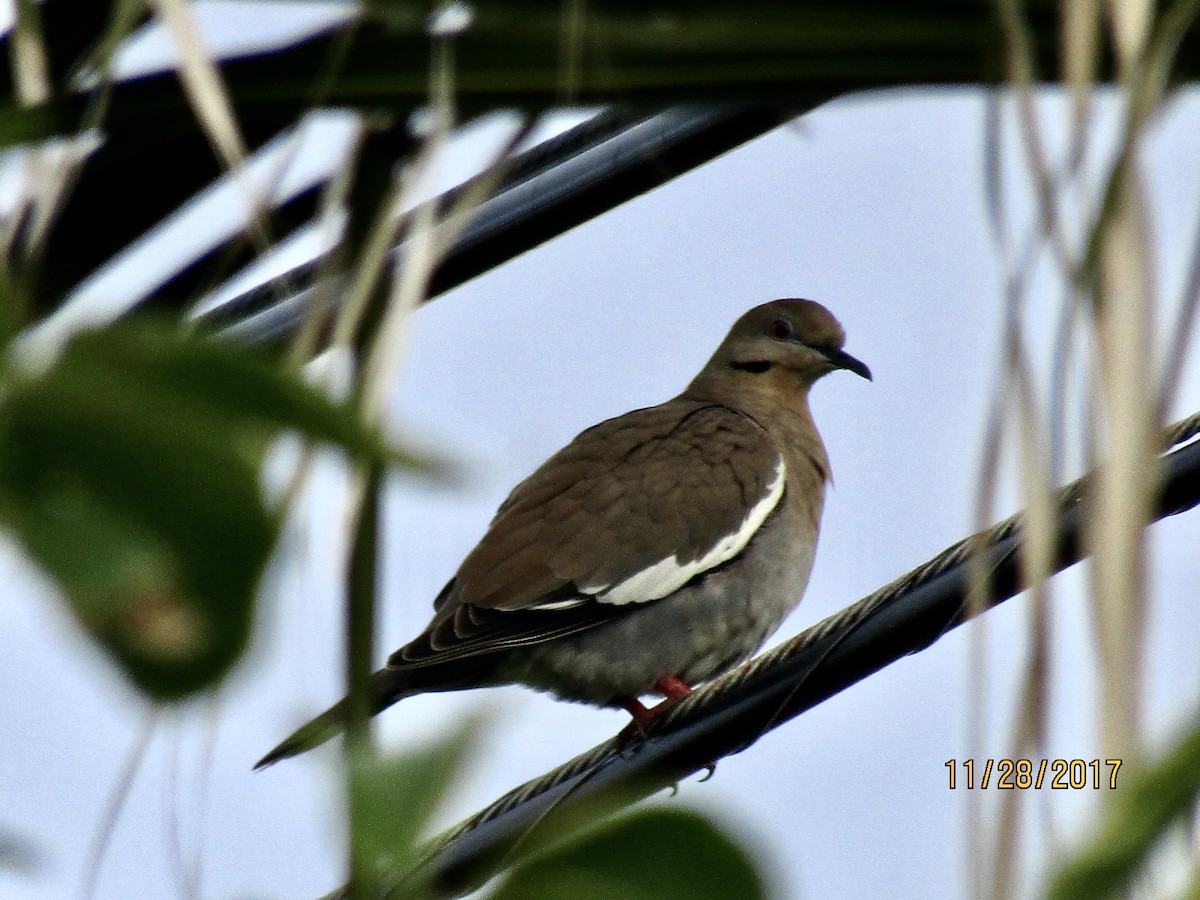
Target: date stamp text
{"points": [[1023, 774]]}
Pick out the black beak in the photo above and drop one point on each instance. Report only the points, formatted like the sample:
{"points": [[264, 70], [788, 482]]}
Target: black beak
{"points": [[843, 360]]}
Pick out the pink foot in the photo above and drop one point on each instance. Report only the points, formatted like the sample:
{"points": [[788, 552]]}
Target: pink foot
{"points": [[670, 687]]}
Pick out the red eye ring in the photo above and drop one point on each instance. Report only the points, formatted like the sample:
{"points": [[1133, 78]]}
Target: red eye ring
{"points": [[781, 330]]}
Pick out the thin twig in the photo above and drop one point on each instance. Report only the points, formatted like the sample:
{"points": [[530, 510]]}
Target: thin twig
{"points": [[116, 802]]}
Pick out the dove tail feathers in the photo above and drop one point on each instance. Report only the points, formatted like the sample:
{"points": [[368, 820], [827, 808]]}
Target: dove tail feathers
{"points": [[387, 687]]}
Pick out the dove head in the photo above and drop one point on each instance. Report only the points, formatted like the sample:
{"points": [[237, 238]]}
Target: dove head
{"points": [[783, 344]]}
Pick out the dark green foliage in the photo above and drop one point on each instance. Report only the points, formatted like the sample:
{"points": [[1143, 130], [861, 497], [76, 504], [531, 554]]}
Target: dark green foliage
{"points": [[129, 470], [392, 800], [653, 854], [1149, 800]]}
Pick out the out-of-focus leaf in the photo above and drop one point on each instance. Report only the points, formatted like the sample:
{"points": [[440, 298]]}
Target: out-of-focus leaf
{"points": [[17, 854], [1192, 892], [1146, 803], [655, 854], [147, 513], [10, 306], [130, 472], [22, 125], [245, 386], [392, 800]]}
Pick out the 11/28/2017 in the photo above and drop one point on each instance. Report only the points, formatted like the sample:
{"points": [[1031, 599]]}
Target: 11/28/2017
{"points": [[1023, 774]]}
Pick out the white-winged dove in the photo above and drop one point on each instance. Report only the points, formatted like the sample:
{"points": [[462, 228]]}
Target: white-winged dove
{"points": [[654, 551]]}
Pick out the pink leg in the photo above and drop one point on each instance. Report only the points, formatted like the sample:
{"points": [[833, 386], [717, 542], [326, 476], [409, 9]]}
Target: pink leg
{"points": [[642, 717], [670, 687]]}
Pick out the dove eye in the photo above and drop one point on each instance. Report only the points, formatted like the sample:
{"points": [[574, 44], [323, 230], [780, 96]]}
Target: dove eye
{"points": [[781, 330]]}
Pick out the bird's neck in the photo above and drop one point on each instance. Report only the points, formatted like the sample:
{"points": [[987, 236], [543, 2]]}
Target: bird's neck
{"points": [[781, 407]]}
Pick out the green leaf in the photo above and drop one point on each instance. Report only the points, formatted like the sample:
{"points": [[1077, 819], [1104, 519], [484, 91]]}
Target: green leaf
{"points": [[148, 514], [130, 471], [1146, 804], [654, 854], [10, 305], [22, 125], [392, 800], [244, 385]]}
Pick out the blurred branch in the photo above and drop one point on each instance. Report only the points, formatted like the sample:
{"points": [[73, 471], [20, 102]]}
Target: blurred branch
{"points": [[116, 802], [542, 193], [787, 55], [362, 592], [731, 713], [31, 69], [18, 854], [210, 102]]}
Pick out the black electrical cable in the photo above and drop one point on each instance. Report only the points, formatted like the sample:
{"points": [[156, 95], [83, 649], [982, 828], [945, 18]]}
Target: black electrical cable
{"points": [[546, 191]]}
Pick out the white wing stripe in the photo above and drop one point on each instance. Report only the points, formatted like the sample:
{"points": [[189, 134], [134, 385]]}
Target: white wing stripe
{"points": [[560, 604], [668, 575]]}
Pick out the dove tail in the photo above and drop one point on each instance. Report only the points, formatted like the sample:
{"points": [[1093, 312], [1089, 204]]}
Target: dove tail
{"points": [[387, 687]]}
